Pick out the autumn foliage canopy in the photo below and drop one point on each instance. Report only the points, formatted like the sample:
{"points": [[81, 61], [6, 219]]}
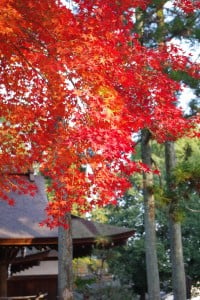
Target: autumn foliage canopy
{"points": [[75, 87]]}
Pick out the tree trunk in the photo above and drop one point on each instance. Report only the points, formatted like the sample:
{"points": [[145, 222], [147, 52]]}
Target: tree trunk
{"points": [[65, 256], [178, 272], [3, 278], [149, 222]]}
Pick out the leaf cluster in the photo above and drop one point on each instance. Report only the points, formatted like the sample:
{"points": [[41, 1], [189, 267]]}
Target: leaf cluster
{"points": [[75, 87]]}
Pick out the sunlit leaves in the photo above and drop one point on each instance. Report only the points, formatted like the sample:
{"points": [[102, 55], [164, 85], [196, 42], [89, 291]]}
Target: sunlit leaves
{"points": [[74, 89], [188, 6]]}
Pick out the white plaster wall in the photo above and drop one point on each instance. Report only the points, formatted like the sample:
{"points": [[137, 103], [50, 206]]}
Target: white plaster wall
{"points": [[45, 268]]}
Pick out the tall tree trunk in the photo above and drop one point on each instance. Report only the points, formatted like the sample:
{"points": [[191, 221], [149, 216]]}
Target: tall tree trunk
{"points": [[3, 278], [65, 256], [149, 222], [178, 272]]}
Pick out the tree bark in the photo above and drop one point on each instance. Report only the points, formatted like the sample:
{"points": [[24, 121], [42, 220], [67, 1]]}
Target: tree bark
{"points": [[65, 256], [149, 222], [178, 272], [3, 278]]}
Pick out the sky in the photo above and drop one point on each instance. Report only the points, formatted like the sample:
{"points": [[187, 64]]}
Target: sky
{"points": [[189, 47], [187, 93]]}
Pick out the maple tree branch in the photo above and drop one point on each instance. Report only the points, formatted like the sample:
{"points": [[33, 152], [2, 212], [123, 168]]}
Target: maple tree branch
{"points": [[29, 64], [32, 36], [192, 210]]}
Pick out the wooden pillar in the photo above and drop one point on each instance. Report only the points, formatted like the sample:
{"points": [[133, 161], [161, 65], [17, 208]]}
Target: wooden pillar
{"points": [[3, 278], [7, 254]]}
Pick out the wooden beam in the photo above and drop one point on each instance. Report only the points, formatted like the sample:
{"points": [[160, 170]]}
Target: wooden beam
{"points": [[28, 241]]}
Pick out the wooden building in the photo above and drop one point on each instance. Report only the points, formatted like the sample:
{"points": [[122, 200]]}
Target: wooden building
{"points": [[20, 230]]}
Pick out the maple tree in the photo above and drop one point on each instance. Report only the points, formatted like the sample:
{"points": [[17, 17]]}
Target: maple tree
{"points": [[74, 89]]}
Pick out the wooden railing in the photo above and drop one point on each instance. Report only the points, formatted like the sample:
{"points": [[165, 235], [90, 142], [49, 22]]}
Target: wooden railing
{"points": [[34, 297]]}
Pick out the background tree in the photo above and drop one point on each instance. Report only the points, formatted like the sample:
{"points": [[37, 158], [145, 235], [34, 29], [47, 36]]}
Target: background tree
{"points": [[186, 176], [128, 263], [129, 212], [158, 28], [149, 220], [178, 273]]}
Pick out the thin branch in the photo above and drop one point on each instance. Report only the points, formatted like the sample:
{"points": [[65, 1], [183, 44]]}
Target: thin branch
{"points": [[192, 210]]}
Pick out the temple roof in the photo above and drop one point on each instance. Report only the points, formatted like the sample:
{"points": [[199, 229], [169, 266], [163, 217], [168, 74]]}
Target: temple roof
{"points": [[19, 224]]}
